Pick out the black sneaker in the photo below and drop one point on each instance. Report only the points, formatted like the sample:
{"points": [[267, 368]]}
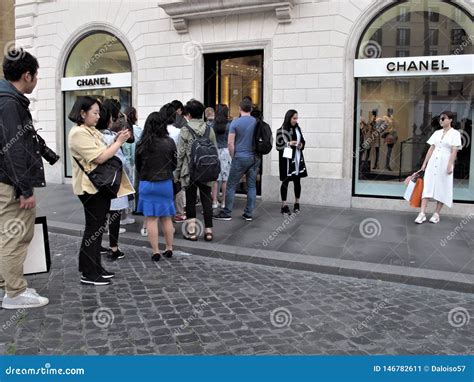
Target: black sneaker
{"points": [[107, 275], [222, 216], [103, 250], [118, 254], [297, 207], [156, 257], [285, 210], [168, 254], [94, 281], [247, 217]]}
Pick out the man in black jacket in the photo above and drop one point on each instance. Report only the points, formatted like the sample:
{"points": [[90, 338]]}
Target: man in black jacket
{"points": [[21, 170]]}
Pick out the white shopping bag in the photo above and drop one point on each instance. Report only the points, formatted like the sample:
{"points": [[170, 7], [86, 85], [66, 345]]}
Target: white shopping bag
{"points": [[287, 152], [38, 258], [409, 190]]}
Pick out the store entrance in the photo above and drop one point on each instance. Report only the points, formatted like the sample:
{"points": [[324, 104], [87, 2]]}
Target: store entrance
{"points": [[229, 77], [124, 95]]}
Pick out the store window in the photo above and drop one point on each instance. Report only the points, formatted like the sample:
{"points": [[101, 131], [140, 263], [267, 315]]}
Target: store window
{"points": [[98, 66], [403, 82]]}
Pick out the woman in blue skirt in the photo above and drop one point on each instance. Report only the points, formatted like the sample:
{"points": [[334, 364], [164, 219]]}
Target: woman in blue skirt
{"points": [[155, 161]]}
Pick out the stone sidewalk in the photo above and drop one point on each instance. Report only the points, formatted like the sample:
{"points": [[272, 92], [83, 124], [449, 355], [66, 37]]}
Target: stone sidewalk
{"points": [[384, 245], [199, 305]]}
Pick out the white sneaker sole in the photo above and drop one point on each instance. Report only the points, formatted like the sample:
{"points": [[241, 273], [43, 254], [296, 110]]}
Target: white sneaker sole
{"points": [[97, 283], [420, 222], [39, 305]]}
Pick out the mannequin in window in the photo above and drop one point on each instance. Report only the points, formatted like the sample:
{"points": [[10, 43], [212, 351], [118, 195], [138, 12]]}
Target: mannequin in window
{"points": [[375, 139], [390, 136]]}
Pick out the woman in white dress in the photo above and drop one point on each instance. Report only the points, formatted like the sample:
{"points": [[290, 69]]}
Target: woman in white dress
{"points": [[439, 167]]}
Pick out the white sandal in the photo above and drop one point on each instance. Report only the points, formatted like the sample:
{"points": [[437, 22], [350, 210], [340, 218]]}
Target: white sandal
{"points": [[435, 218], [421, 218]]}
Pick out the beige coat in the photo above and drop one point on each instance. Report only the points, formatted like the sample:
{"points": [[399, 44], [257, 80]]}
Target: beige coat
{"points": [[86, 144]]}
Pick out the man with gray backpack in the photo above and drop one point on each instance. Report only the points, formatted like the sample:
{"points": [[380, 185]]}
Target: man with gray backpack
{"points": [[198, 167]]}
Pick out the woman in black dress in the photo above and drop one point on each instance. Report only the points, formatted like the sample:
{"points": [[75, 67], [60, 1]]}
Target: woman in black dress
{"points": [[292, 169]]}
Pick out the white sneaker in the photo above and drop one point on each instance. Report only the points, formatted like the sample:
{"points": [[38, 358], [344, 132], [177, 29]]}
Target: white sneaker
{"points": [[144, 232], [435, 218], [420, 218], [28, 299], [127, 221], [122, 230], [215, 205]]}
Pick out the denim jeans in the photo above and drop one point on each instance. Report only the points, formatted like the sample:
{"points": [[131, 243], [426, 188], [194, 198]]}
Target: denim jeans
{"points": [[240, 166]]}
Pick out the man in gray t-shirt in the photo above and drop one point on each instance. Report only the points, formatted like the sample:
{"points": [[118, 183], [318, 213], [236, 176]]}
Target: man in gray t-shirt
{"points": [[244, 162]]}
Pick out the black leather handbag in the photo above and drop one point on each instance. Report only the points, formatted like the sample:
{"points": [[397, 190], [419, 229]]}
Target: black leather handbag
{"points": [[106, 177]]}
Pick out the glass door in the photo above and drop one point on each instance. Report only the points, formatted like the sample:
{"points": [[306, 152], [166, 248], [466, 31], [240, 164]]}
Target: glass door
{"points": [[124, 95], [231, 76]]}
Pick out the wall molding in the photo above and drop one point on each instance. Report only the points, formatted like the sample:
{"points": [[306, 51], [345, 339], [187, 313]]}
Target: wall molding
{"points": [[183, 11]]}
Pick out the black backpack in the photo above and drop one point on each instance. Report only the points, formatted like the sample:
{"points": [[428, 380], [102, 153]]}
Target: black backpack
{"points": [[204, 165], [263, 137]]}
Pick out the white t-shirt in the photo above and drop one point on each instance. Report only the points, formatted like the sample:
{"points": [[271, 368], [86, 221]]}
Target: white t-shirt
{"points": [[173, 131]]}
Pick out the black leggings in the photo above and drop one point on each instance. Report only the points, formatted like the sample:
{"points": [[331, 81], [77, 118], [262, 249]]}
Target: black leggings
{"points": [[96, 207], [284, 187], [206, 200], [114, 227]]}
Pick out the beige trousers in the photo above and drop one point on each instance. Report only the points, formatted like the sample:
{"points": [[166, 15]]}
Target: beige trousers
{"points": [[16, 232], [180, 200]]}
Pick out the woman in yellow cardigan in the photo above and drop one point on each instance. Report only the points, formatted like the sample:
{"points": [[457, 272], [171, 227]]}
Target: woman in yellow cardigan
{"points": [[87, 146]]}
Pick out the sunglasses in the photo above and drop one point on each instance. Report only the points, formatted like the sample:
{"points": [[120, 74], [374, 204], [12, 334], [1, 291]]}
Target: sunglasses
{"points": [[442, 119]]}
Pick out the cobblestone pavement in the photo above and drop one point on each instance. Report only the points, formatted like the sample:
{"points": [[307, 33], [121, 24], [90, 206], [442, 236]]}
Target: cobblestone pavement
{"points": [[196, 305]]}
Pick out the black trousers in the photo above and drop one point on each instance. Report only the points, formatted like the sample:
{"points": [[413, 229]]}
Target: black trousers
{"points": [[114, 227], [284, 187], [206, 200], [96, 208]]}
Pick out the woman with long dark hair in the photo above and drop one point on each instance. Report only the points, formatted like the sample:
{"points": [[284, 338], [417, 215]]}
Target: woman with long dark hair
{"points": [[291, 161], [439, 167], [88, 150], [155, 161], [221, 129]]}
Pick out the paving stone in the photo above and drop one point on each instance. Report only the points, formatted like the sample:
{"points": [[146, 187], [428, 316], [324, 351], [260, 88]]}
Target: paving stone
{"points": [[211, 306]]}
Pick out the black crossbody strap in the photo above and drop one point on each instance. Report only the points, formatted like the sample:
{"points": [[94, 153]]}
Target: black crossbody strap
{"points": [[80, 165]]}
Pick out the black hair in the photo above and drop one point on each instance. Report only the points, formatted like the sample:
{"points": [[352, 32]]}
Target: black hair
{"points": [[104, 119], [246, 104], [131, 114], [83, 103], [168, 113], [450, 116], [113, 106], [222, 118], [287, 121], [17, 62], [178, 105], [155, 127], [248, 98], [194, 108]]}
